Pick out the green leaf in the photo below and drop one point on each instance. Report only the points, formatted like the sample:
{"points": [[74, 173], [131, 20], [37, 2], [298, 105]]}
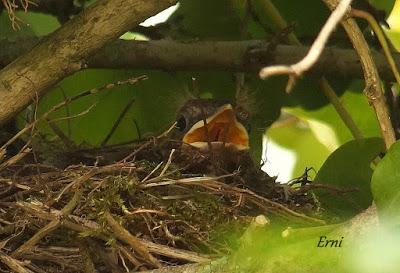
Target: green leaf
{"points": [[394, 37], [207, 19], [386, 186], [6, 30], [349, 167], [41, 24], [385, 5], [289, 10], [394, 22], [355, 103], [372, 250], [158, 92]]}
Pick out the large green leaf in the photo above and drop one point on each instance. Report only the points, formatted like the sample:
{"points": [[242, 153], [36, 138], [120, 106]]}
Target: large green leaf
{"points": [[265, 250], [348, 167], [161, 92], [386, 186]]}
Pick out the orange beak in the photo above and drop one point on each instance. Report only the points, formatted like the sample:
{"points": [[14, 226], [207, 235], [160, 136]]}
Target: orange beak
{"points": [[222, 129]]}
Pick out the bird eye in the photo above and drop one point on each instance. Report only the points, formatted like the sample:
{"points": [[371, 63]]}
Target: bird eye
{"points": [[181, 123], [243, 117]]}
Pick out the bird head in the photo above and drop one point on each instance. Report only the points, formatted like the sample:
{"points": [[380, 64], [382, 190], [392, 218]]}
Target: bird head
{"points": [[205, 122], [225, 127]]}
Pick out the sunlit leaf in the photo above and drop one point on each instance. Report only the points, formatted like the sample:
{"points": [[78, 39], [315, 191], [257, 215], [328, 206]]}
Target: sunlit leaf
{"points": [[393, 33], [394, 17], [386, 186]]}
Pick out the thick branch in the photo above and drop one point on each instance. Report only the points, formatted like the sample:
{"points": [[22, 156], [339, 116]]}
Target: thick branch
{"points": [[65, 51], [246, 56]]}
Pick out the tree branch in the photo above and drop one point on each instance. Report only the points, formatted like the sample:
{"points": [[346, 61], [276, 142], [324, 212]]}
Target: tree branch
{"points": [[272, 12], [373, 87], [65, 51], [243, 56], [316, 49]]}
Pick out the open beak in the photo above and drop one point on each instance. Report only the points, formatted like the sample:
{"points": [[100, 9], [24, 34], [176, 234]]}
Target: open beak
{"points": [[222, 129]]}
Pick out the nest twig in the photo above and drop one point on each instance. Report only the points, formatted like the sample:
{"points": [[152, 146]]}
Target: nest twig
{"points": [[163, 219]]}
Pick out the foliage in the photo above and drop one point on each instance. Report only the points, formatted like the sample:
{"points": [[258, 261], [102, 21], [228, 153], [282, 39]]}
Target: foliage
{"points": [[315, 132], [385, 186], [349, 167]]}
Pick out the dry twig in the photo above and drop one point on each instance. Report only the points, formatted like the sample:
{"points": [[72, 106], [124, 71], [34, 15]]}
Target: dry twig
{"points": [[15, 265], [82, 225], [54, 224], [305, 64], [125, 236]]}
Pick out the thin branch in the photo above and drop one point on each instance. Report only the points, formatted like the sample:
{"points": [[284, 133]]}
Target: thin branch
{"points": [[340, 109], [58, 132], [305, 64], [66, 50], [381, 37], [168, 163], [117, 122], [269, 8], [54, 224], [125, 236], [324, 85], [373, 88], [14, 159], [11, 6]]}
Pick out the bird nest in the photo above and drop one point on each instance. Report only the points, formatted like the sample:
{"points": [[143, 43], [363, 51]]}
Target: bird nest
{"points": [[135, 213]]}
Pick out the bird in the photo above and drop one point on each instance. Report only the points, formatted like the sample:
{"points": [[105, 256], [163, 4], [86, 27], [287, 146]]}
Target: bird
{"points": [[214, 140], [209, 124]]}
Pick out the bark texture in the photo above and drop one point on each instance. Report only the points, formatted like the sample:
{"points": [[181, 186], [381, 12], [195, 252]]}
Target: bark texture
{"points": [[241, 56], [66, 50]]}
